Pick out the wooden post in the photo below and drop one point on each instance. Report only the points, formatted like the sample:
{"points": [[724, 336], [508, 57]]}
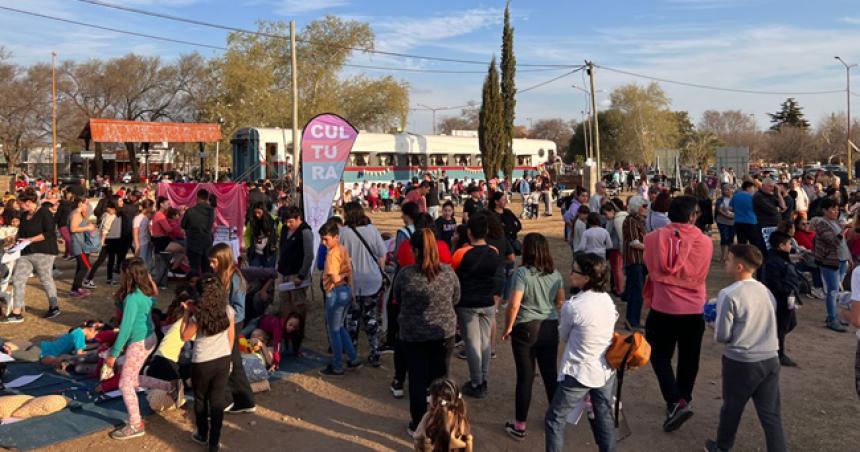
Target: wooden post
{"points": [[294, 73]]}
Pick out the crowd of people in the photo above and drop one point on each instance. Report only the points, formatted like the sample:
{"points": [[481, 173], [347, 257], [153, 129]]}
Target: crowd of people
{"points": [[433, 289]]}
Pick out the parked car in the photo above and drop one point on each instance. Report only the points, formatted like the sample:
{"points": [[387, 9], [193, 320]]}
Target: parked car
{"points": [[837, 170], [129, 178]]}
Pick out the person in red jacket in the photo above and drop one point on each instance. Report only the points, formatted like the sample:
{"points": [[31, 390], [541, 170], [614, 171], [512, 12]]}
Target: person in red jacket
{"points": [[678, 257]]}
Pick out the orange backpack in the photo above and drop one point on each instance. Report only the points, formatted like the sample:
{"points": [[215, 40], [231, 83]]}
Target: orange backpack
{"points": [[631, 351], [626, 352]]}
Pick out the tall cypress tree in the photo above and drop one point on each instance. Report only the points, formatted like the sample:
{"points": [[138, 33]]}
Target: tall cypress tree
{"points": [[509, 90], [490, 124]]}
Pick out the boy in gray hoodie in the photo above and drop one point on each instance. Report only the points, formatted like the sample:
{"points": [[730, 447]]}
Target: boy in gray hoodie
{"points": [[746, 323]]}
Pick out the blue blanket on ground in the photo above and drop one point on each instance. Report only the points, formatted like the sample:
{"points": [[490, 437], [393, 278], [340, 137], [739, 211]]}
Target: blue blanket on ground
{"points": [[87, 412]]}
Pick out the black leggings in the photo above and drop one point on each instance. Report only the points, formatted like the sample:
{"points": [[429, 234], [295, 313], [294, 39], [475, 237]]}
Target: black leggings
{"points": [[209, 380], [426, 361], [392, 339], [534, 341], [82, 267], [665, 333], [110, 252]]}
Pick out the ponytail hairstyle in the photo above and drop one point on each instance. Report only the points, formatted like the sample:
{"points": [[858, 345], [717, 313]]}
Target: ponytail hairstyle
{"points": [[444, 397], [426, 252]]}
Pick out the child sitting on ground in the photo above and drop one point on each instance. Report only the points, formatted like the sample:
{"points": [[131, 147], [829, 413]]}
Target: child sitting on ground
{"points": [[273, 330], [445, 425], [58, 353], [746, 323]]}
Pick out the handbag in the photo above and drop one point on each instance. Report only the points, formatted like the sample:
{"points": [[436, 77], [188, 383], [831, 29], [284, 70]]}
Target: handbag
{"points": [[89, 241], [386, 280]]}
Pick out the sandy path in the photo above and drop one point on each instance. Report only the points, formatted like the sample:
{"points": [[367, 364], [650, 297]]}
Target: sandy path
{"points": [[356, 412]]}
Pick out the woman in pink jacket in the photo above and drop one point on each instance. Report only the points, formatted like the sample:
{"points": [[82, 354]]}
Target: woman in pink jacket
{"points": [[678, 257]]}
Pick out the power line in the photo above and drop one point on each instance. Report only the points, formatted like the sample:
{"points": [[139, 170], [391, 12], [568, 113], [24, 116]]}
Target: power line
{"points": [[215, 47], [536, 86], [550, 80], [279, 36], [718, 88], [115, 30], [444, 71]]}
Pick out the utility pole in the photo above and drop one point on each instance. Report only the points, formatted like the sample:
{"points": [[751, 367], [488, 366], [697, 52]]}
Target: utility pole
{"points": [[294, 72], [848, 97], [586, 124], [54, 113], [218, 149], [596, 131], [433, 110]]}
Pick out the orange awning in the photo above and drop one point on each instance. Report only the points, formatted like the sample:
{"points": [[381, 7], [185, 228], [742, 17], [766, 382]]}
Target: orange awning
{"points": [[120, 131]]}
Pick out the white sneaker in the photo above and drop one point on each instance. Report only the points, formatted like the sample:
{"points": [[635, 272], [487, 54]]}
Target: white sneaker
{"points": [[818, 293]]}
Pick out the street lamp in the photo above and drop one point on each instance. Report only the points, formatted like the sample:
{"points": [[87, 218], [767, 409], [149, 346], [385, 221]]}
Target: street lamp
{"points": [[848, 100], [434, 110]]}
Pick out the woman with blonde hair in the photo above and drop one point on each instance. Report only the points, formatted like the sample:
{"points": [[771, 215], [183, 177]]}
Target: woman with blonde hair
{"points": [[223, 263]]}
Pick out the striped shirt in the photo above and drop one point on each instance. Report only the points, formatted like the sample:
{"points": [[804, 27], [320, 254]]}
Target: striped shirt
{"points": [[634, 229]]}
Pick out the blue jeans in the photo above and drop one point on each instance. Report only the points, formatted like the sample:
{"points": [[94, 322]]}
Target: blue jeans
{"points": [[633, 292], [567, 396], [337, 303], [727, 234], [815, 271], [832, 279], [509, 281], [146, 251]]}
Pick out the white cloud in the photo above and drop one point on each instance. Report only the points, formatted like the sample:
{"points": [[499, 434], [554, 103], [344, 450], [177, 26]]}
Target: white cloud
{"points": [[403, 33], [706, 4], [850, 20], [288, 7], [167, 3]]}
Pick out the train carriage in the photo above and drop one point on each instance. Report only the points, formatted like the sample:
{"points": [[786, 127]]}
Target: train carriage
{"points": [[260, 153]]}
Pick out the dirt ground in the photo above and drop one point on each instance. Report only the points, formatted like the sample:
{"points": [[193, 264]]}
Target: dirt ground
{"points": [[357, 412]]}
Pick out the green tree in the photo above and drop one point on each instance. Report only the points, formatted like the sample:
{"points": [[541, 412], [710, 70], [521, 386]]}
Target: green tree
{"points": [[491, 133], [611, 122], [699, 148], [509, 91], [789, 114], [648, 122], [255, 74]]}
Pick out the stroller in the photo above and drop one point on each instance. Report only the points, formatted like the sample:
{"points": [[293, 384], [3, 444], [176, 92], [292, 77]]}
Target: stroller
{"points": [[531, 206]]}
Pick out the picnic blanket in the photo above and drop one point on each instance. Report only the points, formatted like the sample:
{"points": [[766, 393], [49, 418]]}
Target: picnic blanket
{"points": [[87, 411]]}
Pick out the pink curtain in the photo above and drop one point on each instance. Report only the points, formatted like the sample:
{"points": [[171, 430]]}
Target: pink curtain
{"points": [[232, 200]]}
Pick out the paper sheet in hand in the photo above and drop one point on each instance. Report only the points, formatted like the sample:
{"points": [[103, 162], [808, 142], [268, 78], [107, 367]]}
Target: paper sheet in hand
{"points": [[289, 285], [576, 414], [18, 246], [4, 358], [23, 381]]}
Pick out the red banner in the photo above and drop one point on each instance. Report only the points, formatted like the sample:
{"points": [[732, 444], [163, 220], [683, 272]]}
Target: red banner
{"points": [[232, 200]]}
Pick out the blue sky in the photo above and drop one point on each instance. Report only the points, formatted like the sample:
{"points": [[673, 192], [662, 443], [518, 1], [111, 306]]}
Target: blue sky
{"points": [[768, 45]]}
